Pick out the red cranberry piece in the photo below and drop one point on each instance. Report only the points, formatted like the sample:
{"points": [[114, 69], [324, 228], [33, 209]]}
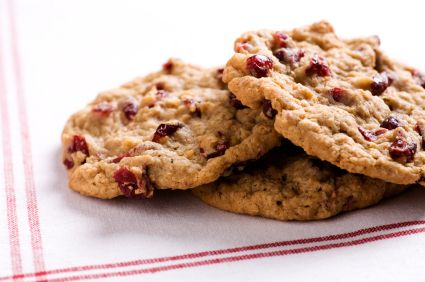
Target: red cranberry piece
{"points": [[68, 163], [121, 156], [282, 55], [419, 78], [280, 39], [390, 123], [300, 55], [130, 110], [368, 136], [78, 144], [219, 150], [268, 111], [188, 102], [402, 150], [220, 72], [168, 66], [259, 65], [160, 86], [197, 112], [337, 93], [380, 83], [235, 102], [165, 130], [318, 67], [380, 131], [131, 185], [193, 107], [136, 151], [103, 109], [289, 56]]}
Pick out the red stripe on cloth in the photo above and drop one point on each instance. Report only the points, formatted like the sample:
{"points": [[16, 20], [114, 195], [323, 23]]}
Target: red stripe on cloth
{"points": [[12, 218], [30, 191], [223, 251], [241, 257]]}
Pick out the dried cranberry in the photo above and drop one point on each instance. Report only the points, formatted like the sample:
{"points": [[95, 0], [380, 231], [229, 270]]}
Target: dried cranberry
{"points": [[120, 157], [318, 66], [193, 107], [235, 102], [130, 110], [419, 78], [219, 150], [300, 54], [368, 136], [131, 185], [168, 66], [268, 111], [197, 112], [165, 130], [160, 86], [337, 93], [259, 65], [380, 83], [390, 123], [78, 144], [188, 102], [288, 55], [380, 131], [103, 109], [402, 150], [69, 163], [136, 151], [220, 72], [280, 39]]}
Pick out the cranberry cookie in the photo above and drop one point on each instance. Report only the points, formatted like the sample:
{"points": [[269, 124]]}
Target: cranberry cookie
{"points": [[177, 128], [343, 101], [297, 187]]}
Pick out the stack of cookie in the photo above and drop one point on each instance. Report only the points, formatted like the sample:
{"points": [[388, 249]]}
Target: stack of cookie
{"points": [[299, 125]]}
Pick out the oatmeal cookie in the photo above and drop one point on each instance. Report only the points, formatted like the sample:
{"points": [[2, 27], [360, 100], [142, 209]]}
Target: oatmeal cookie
{"points": [[342, 100], [297, 187], [177, 128]]}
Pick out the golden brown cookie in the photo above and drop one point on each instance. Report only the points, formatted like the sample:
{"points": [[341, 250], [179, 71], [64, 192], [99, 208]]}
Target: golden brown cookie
{"points": [[177, 128], [343, 101], [297, 187]]}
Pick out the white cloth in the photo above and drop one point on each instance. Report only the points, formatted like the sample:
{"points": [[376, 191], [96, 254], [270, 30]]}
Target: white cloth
{"points": [[56, 55]]}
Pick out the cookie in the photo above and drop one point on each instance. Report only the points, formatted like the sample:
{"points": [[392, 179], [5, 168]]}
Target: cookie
{"points": [[298, 187], [343, 101], [174, 129]]}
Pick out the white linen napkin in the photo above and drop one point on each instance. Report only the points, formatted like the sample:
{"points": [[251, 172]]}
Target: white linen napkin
{"points": [[56, 55]]}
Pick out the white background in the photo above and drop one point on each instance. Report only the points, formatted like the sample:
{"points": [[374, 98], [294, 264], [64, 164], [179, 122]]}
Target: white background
{"points": [[71, 50]]}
